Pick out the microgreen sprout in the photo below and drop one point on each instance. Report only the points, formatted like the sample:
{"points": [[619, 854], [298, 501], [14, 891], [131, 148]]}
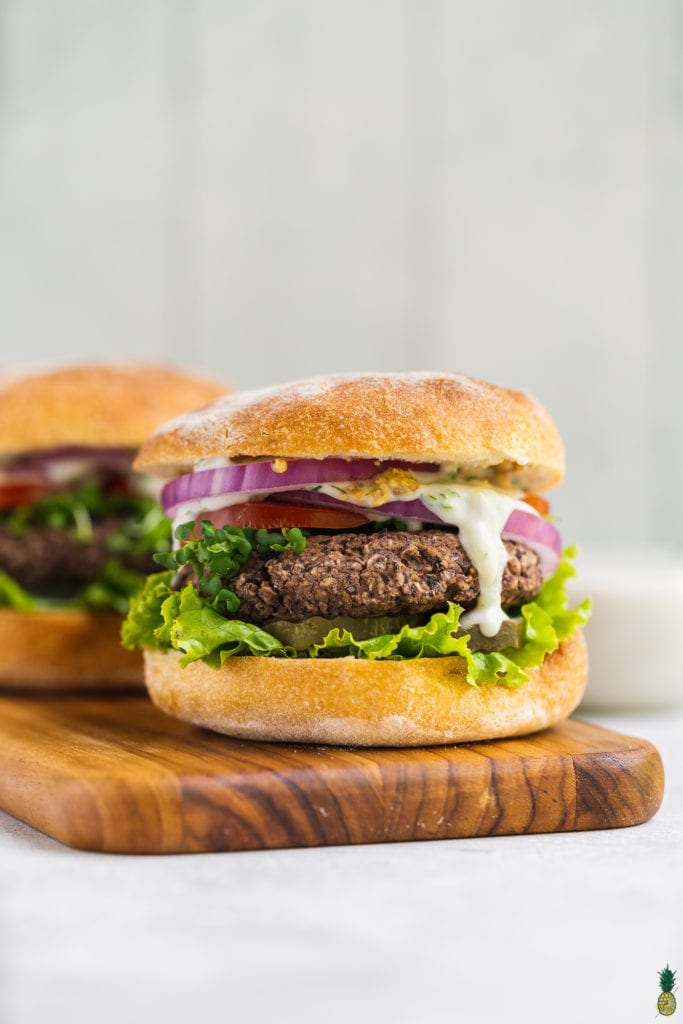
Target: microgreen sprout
{"points": [[217, 554]]}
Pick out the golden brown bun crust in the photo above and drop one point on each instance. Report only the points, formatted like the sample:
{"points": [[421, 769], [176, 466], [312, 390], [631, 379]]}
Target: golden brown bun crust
{"points": [[65, 650], [364, 703], [95, 404], [415, 416]]}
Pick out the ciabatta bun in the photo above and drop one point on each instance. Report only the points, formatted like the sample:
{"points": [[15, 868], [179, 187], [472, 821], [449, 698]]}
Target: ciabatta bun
{"points": [[414, 416], [65, 650], [348, 701], [96, 404]]}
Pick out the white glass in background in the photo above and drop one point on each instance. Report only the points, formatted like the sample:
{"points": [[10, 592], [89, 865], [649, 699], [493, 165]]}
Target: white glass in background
{"points": [[635, 634]]}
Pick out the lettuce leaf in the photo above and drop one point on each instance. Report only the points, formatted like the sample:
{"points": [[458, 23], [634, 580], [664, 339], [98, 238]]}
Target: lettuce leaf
{"points": [[13, 595], [110, 591], [145, 625], [162, 618], [202, 633]]}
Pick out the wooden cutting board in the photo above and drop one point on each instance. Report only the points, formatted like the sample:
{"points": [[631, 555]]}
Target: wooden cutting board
{"points": [[114, 774]]}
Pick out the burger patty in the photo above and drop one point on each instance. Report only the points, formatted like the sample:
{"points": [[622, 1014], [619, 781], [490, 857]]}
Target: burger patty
{"points": [[53, 563], [383, 573]]}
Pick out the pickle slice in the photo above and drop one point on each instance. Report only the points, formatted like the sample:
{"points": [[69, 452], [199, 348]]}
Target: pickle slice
{"points": [[314, 630], [301, 635], [510, 634]]}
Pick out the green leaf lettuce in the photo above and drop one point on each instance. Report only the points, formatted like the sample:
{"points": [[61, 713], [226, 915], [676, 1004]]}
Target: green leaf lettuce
{"points": [[110, 591]]}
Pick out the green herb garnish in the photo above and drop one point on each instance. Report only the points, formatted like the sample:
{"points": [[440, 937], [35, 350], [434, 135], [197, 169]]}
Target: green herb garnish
{"points": [[218, 554]]}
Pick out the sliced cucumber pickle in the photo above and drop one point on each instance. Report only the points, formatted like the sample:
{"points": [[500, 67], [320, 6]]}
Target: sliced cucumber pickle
{"points": [[301, 635], [510, 634], [312, 631]]}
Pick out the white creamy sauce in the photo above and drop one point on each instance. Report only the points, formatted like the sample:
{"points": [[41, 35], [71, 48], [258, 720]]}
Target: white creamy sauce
{"points": [[65, 471], [191, 510], [212, 462], [480, 513]]}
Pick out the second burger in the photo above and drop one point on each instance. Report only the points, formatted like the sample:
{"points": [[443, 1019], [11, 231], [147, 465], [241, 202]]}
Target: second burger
{"points": [[77, 526]]}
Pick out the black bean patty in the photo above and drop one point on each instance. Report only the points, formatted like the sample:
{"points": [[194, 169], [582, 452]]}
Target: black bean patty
{"points": [[383, 573], [53, 563]]}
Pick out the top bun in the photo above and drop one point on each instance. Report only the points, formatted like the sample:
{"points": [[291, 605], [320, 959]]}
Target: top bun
{"points": [[426, 417], [95, 405]]}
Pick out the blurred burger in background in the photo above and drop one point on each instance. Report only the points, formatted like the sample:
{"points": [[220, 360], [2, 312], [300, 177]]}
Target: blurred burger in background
{"points": [[77, 526]]}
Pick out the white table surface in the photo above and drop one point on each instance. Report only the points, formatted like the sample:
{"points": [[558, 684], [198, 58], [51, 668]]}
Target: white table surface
{"points": [[567, 927]]}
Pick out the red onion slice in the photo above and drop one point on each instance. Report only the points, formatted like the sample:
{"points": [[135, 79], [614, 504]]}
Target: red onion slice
{"points": [[116, 458], [414, 509], [260, 477], [539, 535]]}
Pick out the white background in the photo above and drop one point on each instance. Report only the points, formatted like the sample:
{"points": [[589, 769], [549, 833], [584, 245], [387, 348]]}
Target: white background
{"points": [[270, 189]]}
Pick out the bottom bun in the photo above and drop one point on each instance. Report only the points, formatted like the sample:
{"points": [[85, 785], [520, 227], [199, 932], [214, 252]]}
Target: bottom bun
{"points": [[65, 650], [364, 703]]}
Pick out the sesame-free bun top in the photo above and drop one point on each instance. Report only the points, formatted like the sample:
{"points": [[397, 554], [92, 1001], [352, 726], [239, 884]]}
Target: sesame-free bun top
{"points": [[95, 404], [426, 417]]}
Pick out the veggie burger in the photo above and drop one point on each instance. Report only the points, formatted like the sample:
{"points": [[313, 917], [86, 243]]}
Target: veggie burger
{"points": [[77, 527], [361, 560]]}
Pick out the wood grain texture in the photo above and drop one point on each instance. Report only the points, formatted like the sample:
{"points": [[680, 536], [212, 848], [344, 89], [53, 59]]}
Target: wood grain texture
{"points": [[114, 774]]}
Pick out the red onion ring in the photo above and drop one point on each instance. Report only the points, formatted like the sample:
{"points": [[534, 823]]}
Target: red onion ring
{"points": [[414, 509], [260, 477], [539, 535], [116, 457]]}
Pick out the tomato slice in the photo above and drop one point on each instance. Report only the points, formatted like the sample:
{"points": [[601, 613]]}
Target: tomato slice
{"points": [[541, 505], [272, 516], [22, 489]]}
